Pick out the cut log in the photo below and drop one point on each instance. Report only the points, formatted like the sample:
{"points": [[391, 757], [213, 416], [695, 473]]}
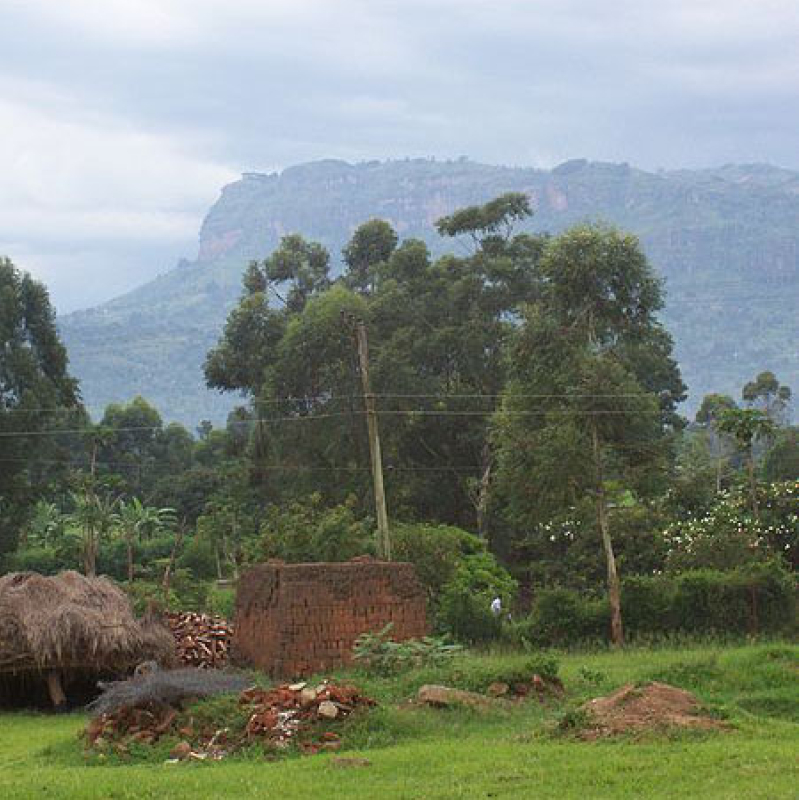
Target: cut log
{"points": [[56, 690]]}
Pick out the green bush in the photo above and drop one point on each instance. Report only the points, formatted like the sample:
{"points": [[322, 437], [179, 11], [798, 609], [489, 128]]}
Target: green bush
{"points": [[199, 557], [45, 560], [561, 616], [143, 594], [753, 600], [381, 655], [648, 603], [221, 600], [729, 535], [435, 551], [756, 599], [186, 594], [464, 607], [148, 556], [190, 594]]}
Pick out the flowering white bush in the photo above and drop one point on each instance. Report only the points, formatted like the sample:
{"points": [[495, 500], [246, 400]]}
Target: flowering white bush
{"points": [[729, 535]]}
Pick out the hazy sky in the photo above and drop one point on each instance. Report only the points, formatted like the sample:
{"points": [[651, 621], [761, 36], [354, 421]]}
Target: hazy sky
{"points": [[122, 119]]}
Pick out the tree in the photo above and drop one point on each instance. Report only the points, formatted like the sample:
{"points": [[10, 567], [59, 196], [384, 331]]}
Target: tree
{"points": [[766, 393], [370, 246], [747, 425], [132, 448], [590, 406], [436, 329], [300, 266], [225, 524], [252, 331], [494, 218], [44, 526], [782, 460], [720, 447], [440, 329], [136, 521], [35, 388], [94, 515]]}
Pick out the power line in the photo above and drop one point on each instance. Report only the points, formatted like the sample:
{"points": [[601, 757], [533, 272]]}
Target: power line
{"points": [[384, 396], [310, 417], [743, 299], [276, 467], [150, 428]]}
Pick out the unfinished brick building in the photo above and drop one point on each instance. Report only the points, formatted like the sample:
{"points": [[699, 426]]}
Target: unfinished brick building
{"points": [[296, 619]]}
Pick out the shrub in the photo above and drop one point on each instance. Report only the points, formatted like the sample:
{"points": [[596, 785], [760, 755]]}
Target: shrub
{"points": [[757, 599], [464, 607], [380, 654], [435, 551], [561, 616], [148, 557], [729, 535], [143, 594], [754, 599], [199, 557], [186, 594], [44, 560], [648, 603], [221, 600]]}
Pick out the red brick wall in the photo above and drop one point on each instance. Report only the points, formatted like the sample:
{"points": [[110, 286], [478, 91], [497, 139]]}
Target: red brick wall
{"points": [[296, 619]]}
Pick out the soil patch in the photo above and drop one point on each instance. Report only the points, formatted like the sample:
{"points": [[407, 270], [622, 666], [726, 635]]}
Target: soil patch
{"points": [[636, 709]]}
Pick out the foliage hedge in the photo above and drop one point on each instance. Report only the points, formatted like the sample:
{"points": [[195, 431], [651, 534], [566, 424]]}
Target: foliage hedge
{"points": [[753, 600]]}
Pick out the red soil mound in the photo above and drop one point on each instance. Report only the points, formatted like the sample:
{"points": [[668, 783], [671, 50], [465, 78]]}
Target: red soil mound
{"points": [[656, 706]]}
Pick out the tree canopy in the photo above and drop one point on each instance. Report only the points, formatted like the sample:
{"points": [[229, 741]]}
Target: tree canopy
{"points": [[35, 390]]}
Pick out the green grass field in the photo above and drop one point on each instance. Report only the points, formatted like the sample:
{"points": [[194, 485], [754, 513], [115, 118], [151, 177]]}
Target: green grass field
{"points": [[510, 752]]}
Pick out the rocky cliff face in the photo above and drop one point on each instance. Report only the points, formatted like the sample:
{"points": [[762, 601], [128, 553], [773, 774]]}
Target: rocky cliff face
{"points": [[726, 241]]}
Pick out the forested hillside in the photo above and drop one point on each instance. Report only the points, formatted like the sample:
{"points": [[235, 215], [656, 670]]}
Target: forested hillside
{"points": [[726, 240]]}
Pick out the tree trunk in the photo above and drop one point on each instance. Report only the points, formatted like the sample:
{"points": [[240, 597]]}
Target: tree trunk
{"points": [[233, 555], [482, 495], [614, 590], [166, 583], [753, 485], [90, 554], [129, 543]]}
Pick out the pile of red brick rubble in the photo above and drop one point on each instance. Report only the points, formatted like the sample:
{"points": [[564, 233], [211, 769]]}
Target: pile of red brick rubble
{"points": [[278, 718], [281, 714]]}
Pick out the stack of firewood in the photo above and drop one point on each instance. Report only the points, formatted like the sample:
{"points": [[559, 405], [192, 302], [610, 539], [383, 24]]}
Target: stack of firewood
{"points": [[202, 640]]}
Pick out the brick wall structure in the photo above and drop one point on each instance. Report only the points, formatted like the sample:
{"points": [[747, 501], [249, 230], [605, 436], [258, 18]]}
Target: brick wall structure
{"points": [[293, 620]]}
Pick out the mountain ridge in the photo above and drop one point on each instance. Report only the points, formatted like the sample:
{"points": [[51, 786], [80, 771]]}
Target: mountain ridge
{"points": [[717, 235]]}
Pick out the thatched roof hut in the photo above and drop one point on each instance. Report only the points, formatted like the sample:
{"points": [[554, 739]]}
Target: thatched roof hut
{"points": [[55, 626]]}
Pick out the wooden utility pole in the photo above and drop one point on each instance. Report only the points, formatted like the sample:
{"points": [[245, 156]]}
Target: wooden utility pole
{"points": [[383, 539]]}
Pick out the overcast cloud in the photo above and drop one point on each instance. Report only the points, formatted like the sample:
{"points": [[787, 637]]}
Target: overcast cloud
{"points": [[122, 119]]}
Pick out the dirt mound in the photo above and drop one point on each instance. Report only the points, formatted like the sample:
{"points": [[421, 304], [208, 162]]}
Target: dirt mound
{"points": [[655, 706]]}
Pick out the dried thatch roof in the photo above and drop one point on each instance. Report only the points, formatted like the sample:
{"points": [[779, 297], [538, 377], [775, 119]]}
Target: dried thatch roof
{"points": [[73, 622]]}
